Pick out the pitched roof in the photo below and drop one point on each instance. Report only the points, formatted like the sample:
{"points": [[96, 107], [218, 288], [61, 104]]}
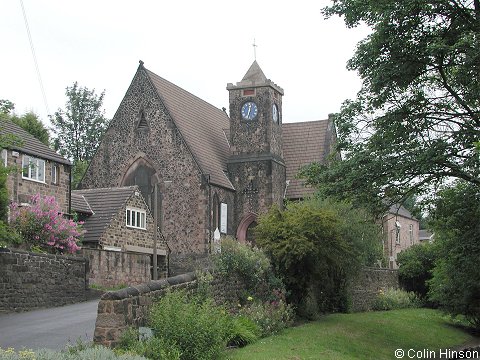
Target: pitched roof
{"points": [[80, 204], [105, 204], [303, 143], [397, 209], [29, 144], [201, 125], [255, 74]]}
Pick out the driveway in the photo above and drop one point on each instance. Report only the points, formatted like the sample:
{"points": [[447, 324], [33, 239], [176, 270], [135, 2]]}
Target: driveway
{"points": [[49, 328]]}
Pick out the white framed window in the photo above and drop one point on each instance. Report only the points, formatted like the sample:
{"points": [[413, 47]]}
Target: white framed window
{"points": [[410, 233], [4, 157], [33, 168], [136, 218], [55, 173]]}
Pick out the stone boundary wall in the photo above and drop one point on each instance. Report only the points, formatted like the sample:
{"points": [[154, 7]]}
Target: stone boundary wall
{"points": [[113, 268], [367, 285], [29, 280], [118, 310]]}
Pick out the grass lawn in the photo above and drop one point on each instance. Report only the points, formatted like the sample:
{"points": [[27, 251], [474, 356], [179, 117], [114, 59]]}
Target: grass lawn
{"points": [[371, 335]]}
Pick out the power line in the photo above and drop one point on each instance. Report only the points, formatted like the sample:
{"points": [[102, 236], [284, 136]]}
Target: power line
{"points": [[35, 59]]}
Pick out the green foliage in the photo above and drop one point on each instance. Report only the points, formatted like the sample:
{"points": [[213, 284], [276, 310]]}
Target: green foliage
{"points": [[197, 327], [416, 265], [32, 124], [88, 353], [416, 119], [79, 128], [251, 264], [6, 106], [243, 331], [270, 317], [8, 236], [456, 277], [395, 299], [152, 348], [78, 170], [4, 198], [316, 246]]}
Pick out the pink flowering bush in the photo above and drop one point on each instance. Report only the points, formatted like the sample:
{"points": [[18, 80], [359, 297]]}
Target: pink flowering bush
{"points": [[42, 226]]}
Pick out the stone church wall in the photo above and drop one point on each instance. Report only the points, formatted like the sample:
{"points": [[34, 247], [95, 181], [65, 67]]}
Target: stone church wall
{"points": [[160, 145]]}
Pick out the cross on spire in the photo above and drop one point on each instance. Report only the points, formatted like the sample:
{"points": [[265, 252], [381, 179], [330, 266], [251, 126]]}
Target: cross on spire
{"points": [[254, 49]]}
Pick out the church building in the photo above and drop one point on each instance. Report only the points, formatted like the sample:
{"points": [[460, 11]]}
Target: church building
{"points": [[213, 170]]}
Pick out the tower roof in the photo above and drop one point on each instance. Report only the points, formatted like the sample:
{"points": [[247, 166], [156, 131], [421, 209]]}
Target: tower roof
{"points": [[255, 74], [253, 78]]}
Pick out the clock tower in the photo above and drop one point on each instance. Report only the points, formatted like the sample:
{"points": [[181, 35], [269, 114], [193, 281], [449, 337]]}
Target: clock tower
{"points": [[255, 166]]}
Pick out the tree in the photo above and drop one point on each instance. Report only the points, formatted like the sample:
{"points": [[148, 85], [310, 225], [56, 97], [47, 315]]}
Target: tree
{"points": [[79, 128], [416, 118], [28, 121], [456, 277], [416, 266], [31, 123], [316, 247]]}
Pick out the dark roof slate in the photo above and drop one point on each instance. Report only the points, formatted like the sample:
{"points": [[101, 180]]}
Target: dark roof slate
{"points": [[80, 204], [105, 204], [303, 143], [201, 125], [29, 144]]}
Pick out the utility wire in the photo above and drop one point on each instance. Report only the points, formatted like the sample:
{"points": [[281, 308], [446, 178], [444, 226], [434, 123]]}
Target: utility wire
{"points": [[35, 59]]}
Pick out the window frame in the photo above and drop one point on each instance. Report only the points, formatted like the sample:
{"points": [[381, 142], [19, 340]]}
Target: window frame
{"points": [[55, 171], [135, 218], [35, 161]]}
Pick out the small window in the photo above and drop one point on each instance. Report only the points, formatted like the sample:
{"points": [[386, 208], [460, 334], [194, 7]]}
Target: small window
{"points": [[135, 218], [4, 157], [55, 173], [33, 168]]}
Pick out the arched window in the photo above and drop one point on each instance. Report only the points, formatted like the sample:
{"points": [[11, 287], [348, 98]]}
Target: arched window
{"points": [[141, 173]]}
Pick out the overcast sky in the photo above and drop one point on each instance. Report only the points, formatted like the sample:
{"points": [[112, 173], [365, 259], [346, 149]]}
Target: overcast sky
{"points": [[199, 45]]}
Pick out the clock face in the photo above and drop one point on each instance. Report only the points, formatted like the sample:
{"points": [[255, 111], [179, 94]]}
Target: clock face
{"points": [[249, 110], [275, 113]]}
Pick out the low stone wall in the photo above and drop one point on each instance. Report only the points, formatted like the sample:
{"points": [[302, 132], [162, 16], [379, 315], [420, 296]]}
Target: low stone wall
{"points": [[118, 310], [30, 280], [113, 268], [367, 285]]}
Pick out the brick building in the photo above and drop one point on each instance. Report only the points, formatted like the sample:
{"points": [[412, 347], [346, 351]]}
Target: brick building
{"points": [[213, 170]]}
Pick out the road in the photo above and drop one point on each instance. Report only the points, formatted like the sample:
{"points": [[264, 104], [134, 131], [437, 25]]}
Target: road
{"points": [[52, 328]]}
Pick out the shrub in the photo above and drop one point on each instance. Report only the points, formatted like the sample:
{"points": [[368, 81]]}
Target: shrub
{"points": [[394, 299], [198, 327], [85, 354], [251, 264], [42, 225], [270, 317], [243, 331], [416, 265], [8, 236]]}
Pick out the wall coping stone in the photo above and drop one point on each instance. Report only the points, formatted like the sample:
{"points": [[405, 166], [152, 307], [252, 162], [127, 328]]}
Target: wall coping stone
{"points": [[50, 256], [149, 287]]}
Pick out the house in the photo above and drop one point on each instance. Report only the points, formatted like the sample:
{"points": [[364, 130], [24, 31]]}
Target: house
{"points": [[213, 170], [400, 230], [425, 236], [39, 169], [119, 238]]}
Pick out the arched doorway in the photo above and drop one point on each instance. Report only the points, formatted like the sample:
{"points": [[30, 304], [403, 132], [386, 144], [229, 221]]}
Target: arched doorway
{"points": [[245, 229], [142, 174]]}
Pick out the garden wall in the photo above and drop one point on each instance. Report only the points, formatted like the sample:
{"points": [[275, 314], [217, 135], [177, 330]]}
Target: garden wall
{"points": [[367, 285], [113, 268], [118, 310], [30, 280]]}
